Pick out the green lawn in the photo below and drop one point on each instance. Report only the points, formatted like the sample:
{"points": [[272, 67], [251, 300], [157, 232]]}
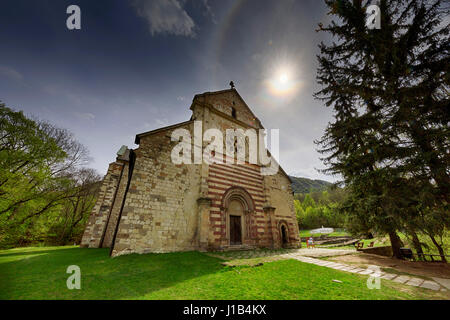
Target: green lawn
{"points": [[40, 273]]}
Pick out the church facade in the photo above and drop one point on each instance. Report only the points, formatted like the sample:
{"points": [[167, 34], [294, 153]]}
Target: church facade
{"points": [[148, 203]]}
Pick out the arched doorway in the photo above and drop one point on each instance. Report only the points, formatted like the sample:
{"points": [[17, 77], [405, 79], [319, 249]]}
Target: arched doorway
{"points": [[236, 212], [284, 238], [284, 233], [237, 204]]}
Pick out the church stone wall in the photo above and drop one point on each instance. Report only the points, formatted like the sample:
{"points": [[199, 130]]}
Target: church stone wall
{"points": [[160, 211], [223, 177], [95, 229], [262, 227], [117, 206], [280, 197], [225, 101]]}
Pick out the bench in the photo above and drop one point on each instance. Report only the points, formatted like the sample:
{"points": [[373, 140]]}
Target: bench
{"points": [[408, 254], [359, 245]]}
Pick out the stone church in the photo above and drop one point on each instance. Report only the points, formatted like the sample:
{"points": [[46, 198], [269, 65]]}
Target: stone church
{"points": [[147, 203]]}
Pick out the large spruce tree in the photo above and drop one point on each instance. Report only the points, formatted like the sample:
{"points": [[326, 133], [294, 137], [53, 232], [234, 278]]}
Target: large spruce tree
{"points": [[389, 89]]}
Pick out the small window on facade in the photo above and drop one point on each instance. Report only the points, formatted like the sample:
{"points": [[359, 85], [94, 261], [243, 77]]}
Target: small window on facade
{"points": [[233, 112]]}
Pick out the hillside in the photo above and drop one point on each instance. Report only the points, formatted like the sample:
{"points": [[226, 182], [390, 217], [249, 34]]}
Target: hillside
{"points": [[305, 185]]}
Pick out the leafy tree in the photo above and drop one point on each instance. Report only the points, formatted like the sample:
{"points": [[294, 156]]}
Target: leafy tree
{"points": [[39, 175], [389, 89], [308, 202], [69, 222], [313, 214]]}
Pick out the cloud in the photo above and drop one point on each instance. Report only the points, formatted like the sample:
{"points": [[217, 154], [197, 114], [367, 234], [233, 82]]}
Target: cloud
{"points": [[165, 16], [10, 73], [209, 11], [85, 116]]}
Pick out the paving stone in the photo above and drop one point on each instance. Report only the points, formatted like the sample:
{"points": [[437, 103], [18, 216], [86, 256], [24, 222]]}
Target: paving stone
{"points": [[388, 276], [321, 265], [414, 282], [339, 268], [367, 271], [402, 279], [354, 270], [430, 285], [325, 264], [303, 258], [443, 282], [377, 274], [346, 268], [374, 267], [332, 265], [328, 264]]}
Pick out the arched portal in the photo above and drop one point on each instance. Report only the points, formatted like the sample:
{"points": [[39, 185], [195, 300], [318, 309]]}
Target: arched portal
{"points": [[284, 233], [236, 214], [237, 204], [284, 238]]}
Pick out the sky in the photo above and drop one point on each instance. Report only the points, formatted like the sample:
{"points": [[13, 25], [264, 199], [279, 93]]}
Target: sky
{"points": [[136, 65]]}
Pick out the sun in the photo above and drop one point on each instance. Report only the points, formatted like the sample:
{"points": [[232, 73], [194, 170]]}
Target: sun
{"points": [[282, 83], [283, 80]]}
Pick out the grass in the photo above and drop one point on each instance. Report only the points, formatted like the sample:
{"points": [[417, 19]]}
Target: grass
{"points": [[40, 273]]}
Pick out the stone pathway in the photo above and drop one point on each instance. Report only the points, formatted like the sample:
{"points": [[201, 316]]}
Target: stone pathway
{"points": [[314, 253], [443, 282], [323, 252], [311, 255], [300, 255]]}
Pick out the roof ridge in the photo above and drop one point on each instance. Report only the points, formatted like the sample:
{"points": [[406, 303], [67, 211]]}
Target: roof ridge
{"points": [[139, 135]]}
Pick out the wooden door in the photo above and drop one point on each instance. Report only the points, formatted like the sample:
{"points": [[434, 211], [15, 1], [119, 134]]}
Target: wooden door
{"points": [[284, 237], [235, 230]]}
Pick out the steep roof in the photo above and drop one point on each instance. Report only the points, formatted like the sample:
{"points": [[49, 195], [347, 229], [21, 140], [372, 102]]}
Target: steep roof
{"points": [[233, 91], [138, 136]]}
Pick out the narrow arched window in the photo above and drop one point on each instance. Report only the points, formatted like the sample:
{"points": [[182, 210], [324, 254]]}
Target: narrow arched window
{"points": [[233, 112]]}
